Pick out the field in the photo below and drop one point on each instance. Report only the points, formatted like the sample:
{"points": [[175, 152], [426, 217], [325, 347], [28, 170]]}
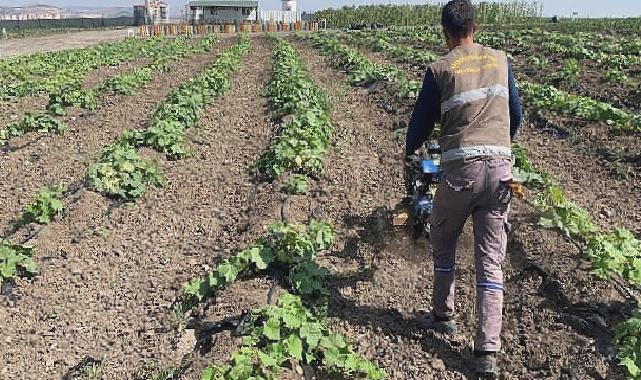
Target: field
{"points": [[220, 208]]}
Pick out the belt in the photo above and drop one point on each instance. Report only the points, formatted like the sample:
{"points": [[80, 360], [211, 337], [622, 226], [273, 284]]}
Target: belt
{"points": [[475, 151]]}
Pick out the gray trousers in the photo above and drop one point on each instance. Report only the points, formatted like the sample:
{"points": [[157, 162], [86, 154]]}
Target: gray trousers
{"points": [[474, 187]]}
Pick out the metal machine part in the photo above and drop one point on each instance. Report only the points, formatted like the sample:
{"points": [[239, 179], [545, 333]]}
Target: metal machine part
{"points": [[422, 178]]}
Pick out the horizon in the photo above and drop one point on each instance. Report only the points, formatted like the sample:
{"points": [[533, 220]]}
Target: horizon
{"points": [[585, 8]]}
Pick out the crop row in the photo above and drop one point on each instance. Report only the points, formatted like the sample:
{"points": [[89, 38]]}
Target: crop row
{"points": [[47, 72], [362, 71], [612, 253], [543, 96], [549, 98], [380, 42], [608, 53], [296, 328], [121, 172], [73, 95], [303, 111], [295, 331]]}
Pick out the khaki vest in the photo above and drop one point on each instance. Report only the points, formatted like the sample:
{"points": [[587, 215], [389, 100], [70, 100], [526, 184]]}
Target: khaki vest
{"points": [[473, 81]]}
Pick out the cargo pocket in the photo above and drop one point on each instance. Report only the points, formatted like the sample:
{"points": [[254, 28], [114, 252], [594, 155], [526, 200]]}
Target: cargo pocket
{"points": [[455, 194], [505, 239], [504, 191]]}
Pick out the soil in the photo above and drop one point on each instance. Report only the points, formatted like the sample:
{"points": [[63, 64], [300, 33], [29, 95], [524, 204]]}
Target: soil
{"points": [[58, 41], [35, 161], [109, 273]]}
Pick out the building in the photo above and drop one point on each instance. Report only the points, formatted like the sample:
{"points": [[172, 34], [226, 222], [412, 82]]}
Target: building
{"points": [[222, 11], [239, 11], [153, 12], [36, 12]]}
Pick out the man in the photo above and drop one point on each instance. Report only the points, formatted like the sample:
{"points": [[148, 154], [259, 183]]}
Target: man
{"points": [[471, 91]]}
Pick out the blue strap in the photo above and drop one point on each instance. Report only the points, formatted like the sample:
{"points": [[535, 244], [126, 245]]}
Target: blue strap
{"points": [[446, 270], [490, 285]]}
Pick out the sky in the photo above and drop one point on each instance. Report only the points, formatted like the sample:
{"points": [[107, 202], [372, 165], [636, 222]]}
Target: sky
{"points": [[586, 8]]}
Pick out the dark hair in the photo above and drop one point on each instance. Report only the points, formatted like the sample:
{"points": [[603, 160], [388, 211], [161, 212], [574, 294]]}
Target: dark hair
{"points": [[458, 18]]}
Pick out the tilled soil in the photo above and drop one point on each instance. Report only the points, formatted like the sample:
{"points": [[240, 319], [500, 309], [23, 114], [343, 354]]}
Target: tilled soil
{"points": [[610, 199], [13, 110], [109, 275], [35, 161]]}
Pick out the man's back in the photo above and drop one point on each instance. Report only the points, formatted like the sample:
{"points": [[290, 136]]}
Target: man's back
{"points": [[473, 83]]}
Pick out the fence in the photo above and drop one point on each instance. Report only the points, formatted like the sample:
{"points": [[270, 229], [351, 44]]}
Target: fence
{"points": [[183, 29], [66, 23], [279, 16]]}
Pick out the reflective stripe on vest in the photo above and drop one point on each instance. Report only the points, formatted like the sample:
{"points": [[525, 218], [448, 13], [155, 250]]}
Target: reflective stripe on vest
{"points": [[475, 151], [473, 95]]}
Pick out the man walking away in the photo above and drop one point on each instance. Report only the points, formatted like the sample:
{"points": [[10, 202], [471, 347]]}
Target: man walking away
{"points": [[473, 94]]}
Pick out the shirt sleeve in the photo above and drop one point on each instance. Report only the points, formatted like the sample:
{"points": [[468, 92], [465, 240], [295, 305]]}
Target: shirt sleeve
{"points": [[516, 113], [427, 111]]}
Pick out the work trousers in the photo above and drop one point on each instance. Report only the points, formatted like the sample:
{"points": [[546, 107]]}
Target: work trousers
{"points": [[477, 187]]}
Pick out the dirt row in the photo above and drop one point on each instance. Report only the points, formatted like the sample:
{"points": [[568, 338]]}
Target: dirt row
{"points": [[14, 110], [37, 160]]}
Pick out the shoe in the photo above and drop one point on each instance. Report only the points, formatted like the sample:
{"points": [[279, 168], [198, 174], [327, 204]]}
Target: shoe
{"points": [[485, 365], [443, 325]]}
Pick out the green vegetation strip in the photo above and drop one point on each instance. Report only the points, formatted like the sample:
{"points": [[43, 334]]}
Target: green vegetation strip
{"points": [[46, 72], [615, 252], [296, 329], [303, 109], [381, 42], [549, 98], [121, 172], [15, 259], [361, 71], [73, 95]]}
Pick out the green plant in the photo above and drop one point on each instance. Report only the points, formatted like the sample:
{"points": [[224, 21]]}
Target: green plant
{"points": [[289, 331], [628, 342], [614, 76], [287, 245], [16, 260], [617, 252], [45, 207], [93, 371], [303, 137], [70, 96], [558, 212], [297, 184], [524, 171], [41, 123], [122, 173], [126, 84]]}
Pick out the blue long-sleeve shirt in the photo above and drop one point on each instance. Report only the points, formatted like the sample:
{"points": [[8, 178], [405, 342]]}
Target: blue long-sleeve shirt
{"points": [[427, 111]]}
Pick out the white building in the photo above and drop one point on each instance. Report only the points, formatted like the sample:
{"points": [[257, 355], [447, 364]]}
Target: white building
{"points": [[222, 11], [232, 11]]}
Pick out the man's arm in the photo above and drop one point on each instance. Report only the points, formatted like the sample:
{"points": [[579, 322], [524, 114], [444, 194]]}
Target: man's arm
{"points": [[516, 114], [427, 111]]}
